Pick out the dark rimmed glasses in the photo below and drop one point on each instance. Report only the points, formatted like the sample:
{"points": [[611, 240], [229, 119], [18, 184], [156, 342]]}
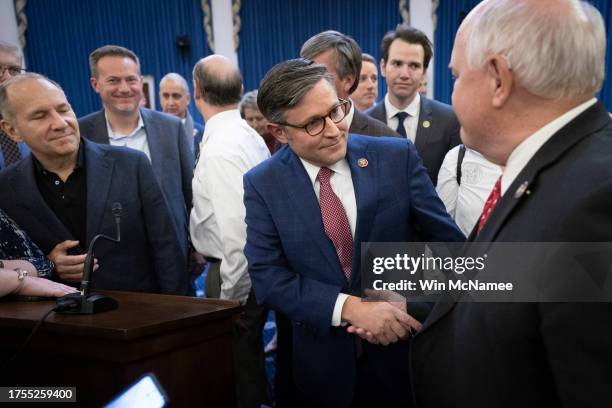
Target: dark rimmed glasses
{"points": [[316, 126], [12, 69]]}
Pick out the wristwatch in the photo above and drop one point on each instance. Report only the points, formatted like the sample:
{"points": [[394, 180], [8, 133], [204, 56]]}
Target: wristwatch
{"points": [[21, 275]]}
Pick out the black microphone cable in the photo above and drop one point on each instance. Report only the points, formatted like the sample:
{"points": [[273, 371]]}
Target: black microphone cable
{"points": [[62, 304]]}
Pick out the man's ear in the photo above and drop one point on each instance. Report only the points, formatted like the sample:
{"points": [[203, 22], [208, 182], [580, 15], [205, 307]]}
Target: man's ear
{"points": [[278, 132], [501, 79], [94, 84], [196, 90], [347, 83], [383, 68], [10, 131]]}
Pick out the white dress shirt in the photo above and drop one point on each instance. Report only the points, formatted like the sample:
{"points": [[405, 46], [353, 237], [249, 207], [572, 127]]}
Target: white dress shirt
{"points": [[229, 148], [341, 183], [411, 123], [521, 155], [478, 176], [350, 114], [135, 140]]}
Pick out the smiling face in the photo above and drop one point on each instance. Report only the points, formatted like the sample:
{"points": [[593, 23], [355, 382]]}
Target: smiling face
{"points": [[329, 146], [43, 119], [119, 84], [404, 71]]}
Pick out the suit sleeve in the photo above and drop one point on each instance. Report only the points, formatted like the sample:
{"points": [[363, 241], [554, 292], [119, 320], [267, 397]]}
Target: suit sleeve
{"points": [[167, 256], [428, 214], [186, 159], [302, 299]]}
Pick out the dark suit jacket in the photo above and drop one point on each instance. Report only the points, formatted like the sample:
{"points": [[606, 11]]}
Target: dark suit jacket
{"points": [[363, 124], [171, 157], [148, 258], [197, 139], [435, 140], [531, 354], [294, 267]]}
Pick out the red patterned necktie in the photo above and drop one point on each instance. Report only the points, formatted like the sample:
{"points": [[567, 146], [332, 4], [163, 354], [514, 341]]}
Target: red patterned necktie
{"points": [[336, 222], [10, 150], [490, 204]]}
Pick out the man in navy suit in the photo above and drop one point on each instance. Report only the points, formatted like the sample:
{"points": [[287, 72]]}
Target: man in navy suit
{"points": [[62, 195], [527, 102], [174, 98], [308, 208], [341, 55], [115, 76], [432, 126]]}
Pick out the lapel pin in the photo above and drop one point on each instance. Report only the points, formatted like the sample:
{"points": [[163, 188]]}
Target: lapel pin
{"points": [[426, 124], [521, 190], [362, 162]]}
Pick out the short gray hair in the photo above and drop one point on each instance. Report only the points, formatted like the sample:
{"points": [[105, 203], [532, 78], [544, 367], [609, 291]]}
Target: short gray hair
{"points": [[218, 88], [110, 51], [554, 53], [346, 50], [249, 101], [174, 77], [286, 84], [11, 49], [6, 110]]}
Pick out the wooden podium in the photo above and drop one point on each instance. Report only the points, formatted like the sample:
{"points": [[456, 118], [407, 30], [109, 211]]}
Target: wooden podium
{"points": [[185, 342]]}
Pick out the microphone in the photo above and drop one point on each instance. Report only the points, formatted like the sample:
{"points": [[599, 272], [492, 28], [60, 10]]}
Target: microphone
{"points": [[84, 302]]}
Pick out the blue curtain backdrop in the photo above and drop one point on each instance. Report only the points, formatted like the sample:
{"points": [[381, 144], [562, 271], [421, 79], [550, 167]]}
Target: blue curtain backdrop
{"points": [[274, 30], [451, 13], [62, 33]]}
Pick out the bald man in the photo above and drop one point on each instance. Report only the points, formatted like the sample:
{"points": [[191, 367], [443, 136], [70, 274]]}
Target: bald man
{"points": [[230, 148], [174, 97]]}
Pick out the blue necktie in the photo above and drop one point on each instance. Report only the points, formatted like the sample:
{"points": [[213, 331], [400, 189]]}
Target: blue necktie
{"points": [[401, 116]]}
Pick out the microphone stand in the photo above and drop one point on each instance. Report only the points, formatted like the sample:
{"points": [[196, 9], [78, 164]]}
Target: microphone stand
{"points": [[84, 302]]}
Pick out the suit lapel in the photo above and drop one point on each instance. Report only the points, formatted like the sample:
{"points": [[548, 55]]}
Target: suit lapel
{"points": [[364, 171], [99, 175], [422, 132], [299, 188], [29, 197], [358, 124], [98, 131], [154, 133]]}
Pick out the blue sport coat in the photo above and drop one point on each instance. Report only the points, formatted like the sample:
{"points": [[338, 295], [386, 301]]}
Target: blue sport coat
{"points": [[148, 258], [294, 267], [171, 157]]}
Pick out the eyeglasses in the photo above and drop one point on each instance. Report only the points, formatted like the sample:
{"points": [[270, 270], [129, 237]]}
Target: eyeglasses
{"points": [[316, 126], [12, 69]]}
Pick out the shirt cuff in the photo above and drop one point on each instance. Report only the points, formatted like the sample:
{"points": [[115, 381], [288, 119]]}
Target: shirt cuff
{"points": [[337, 315]]}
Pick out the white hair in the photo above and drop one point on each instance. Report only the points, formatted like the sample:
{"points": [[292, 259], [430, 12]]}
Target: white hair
{"points": [[174, 77], [555, 52]]}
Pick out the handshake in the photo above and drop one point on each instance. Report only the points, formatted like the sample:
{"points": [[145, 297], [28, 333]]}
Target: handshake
{"points": [[381, 318]]}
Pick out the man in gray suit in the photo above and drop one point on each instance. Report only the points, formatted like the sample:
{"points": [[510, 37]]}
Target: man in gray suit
{"points": [[341, 55], [432, 126], [115, 76]]}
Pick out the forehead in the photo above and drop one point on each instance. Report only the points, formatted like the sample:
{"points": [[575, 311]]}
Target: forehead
{"points": [[171, 87], [368, 67], [401, 49], [317, 102], [117, 65], [34, 94], [251, 112], [9, 58]]}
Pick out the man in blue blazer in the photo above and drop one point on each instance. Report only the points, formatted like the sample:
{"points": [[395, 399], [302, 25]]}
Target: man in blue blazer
{"points": [[432, 126], [116, 77], [303, 252], [63, 193]]}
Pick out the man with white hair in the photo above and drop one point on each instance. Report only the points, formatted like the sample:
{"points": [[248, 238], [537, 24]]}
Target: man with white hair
{"points": [[527, 72], [174, 98]]}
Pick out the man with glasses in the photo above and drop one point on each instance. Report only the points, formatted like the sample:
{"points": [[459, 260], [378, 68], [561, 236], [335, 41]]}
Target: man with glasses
{"points": [[230, 148], [308, 209], [11, 60]]}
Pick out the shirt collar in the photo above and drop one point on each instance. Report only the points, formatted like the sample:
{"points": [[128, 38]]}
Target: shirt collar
{"points": [[80, 163], [218, 120], [341, 167], [525, 151], [117, 136], [412, 109]]}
